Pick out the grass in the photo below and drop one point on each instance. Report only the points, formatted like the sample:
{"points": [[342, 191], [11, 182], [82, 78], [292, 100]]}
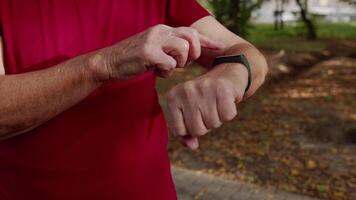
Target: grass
{"points": [[337, 30], [292, 36], [290, 39]]}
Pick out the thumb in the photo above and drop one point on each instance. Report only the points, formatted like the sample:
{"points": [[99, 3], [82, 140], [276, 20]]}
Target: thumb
{"points": [[190, 142]]}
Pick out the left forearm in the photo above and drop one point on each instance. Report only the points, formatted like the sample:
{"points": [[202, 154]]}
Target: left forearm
{"points": [[257, 62], [207, 101], [234, 44]]}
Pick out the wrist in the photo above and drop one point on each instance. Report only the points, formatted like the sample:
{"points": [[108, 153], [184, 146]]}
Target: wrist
{"points": [[237, 74], [240, 59], [97, 67]]}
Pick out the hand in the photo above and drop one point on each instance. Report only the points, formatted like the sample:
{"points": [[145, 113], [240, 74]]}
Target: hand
{"points": [[160, 48], [196, 106]]}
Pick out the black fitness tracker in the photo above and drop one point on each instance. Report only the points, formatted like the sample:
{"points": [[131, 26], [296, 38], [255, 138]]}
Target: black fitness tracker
{"points": [[235, 59]]}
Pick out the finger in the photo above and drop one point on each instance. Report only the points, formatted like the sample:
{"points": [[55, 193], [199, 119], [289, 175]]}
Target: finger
{"points": [[226, 108], [190, 142], [210, 44], [176, 119], [194, 121], [192, 36], [177, 48], [163, 62], [210, 113]]}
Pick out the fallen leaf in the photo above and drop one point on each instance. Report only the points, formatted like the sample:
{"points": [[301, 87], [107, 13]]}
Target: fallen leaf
{"points": [[311, 164]]}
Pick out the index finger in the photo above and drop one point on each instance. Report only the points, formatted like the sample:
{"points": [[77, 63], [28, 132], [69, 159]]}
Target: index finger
{"points": [[208, 43]]}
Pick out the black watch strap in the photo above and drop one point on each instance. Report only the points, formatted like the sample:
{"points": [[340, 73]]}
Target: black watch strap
{"points": [[235, 59]]}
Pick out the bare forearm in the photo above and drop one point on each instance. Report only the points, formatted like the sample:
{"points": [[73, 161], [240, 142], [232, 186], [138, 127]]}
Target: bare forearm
{"points": [[234, 45], [29, 99], [257, 62]]}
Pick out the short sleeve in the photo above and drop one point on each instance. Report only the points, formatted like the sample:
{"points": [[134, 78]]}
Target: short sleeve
{"points": [[184, 12]]}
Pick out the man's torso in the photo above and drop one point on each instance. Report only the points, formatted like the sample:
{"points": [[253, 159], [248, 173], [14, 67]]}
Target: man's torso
{"points": [[110, 146]]}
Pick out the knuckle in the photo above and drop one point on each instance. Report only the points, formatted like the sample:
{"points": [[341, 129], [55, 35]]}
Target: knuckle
{"points": [[171, 96], [159, 27], [185, 45], [188, 88], [221, 82], [146, 50], [155, 31], [180, 29], [183, 29], [169, 66], [190, 31], [204, 87], [173, 63], [150, 37], [194, 32], [152, 31], [205, 84]]}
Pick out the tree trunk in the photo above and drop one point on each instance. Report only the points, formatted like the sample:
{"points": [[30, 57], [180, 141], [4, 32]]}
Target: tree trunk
{"points": [[309, 24], [235, 10], [282, 12], [276, 16]]}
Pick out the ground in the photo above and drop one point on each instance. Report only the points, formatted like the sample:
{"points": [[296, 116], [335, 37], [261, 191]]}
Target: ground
{"points": [[192, 185], [297, 134]]}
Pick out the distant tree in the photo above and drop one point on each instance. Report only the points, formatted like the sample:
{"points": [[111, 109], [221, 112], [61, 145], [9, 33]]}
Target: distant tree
{"points": [[235, 14], [350, 1], [278, 14], [303, 5]]}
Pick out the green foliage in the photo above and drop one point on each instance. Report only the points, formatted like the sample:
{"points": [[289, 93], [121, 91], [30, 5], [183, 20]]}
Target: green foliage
{"points": [[325, 30], [337, 30], [264, 35], [234, 14]]}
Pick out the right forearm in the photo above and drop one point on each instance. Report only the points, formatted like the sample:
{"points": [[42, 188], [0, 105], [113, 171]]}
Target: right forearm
{"points": [[28, 100]]}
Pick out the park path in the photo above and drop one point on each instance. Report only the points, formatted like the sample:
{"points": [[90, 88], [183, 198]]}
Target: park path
{"points": [[191, 185]]}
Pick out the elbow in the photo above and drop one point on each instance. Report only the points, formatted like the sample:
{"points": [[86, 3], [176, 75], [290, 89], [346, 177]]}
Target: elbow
{"points": [[260, 72], [255, 57], [261, 67], [264, 69], [261, 63]]}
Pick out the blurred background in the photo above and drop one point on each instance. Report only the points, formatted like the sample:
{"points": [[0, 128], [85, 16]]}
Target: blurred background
{"points": [[298, 132]]}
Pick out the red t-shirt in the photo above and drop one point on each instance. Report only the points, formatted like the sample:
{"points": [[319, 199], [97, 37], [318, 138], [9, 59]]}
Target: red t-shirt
{"points": [[112, 145]]}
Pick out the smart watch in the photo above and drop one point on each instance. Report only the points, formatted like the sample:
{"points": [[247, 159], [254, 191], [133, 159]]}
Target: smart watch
{"points": [[235, 59]]}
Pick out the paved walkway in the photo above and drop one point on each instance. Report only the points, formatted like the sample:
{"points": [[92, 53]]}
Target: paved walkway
{"points": [[192, 185]]}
